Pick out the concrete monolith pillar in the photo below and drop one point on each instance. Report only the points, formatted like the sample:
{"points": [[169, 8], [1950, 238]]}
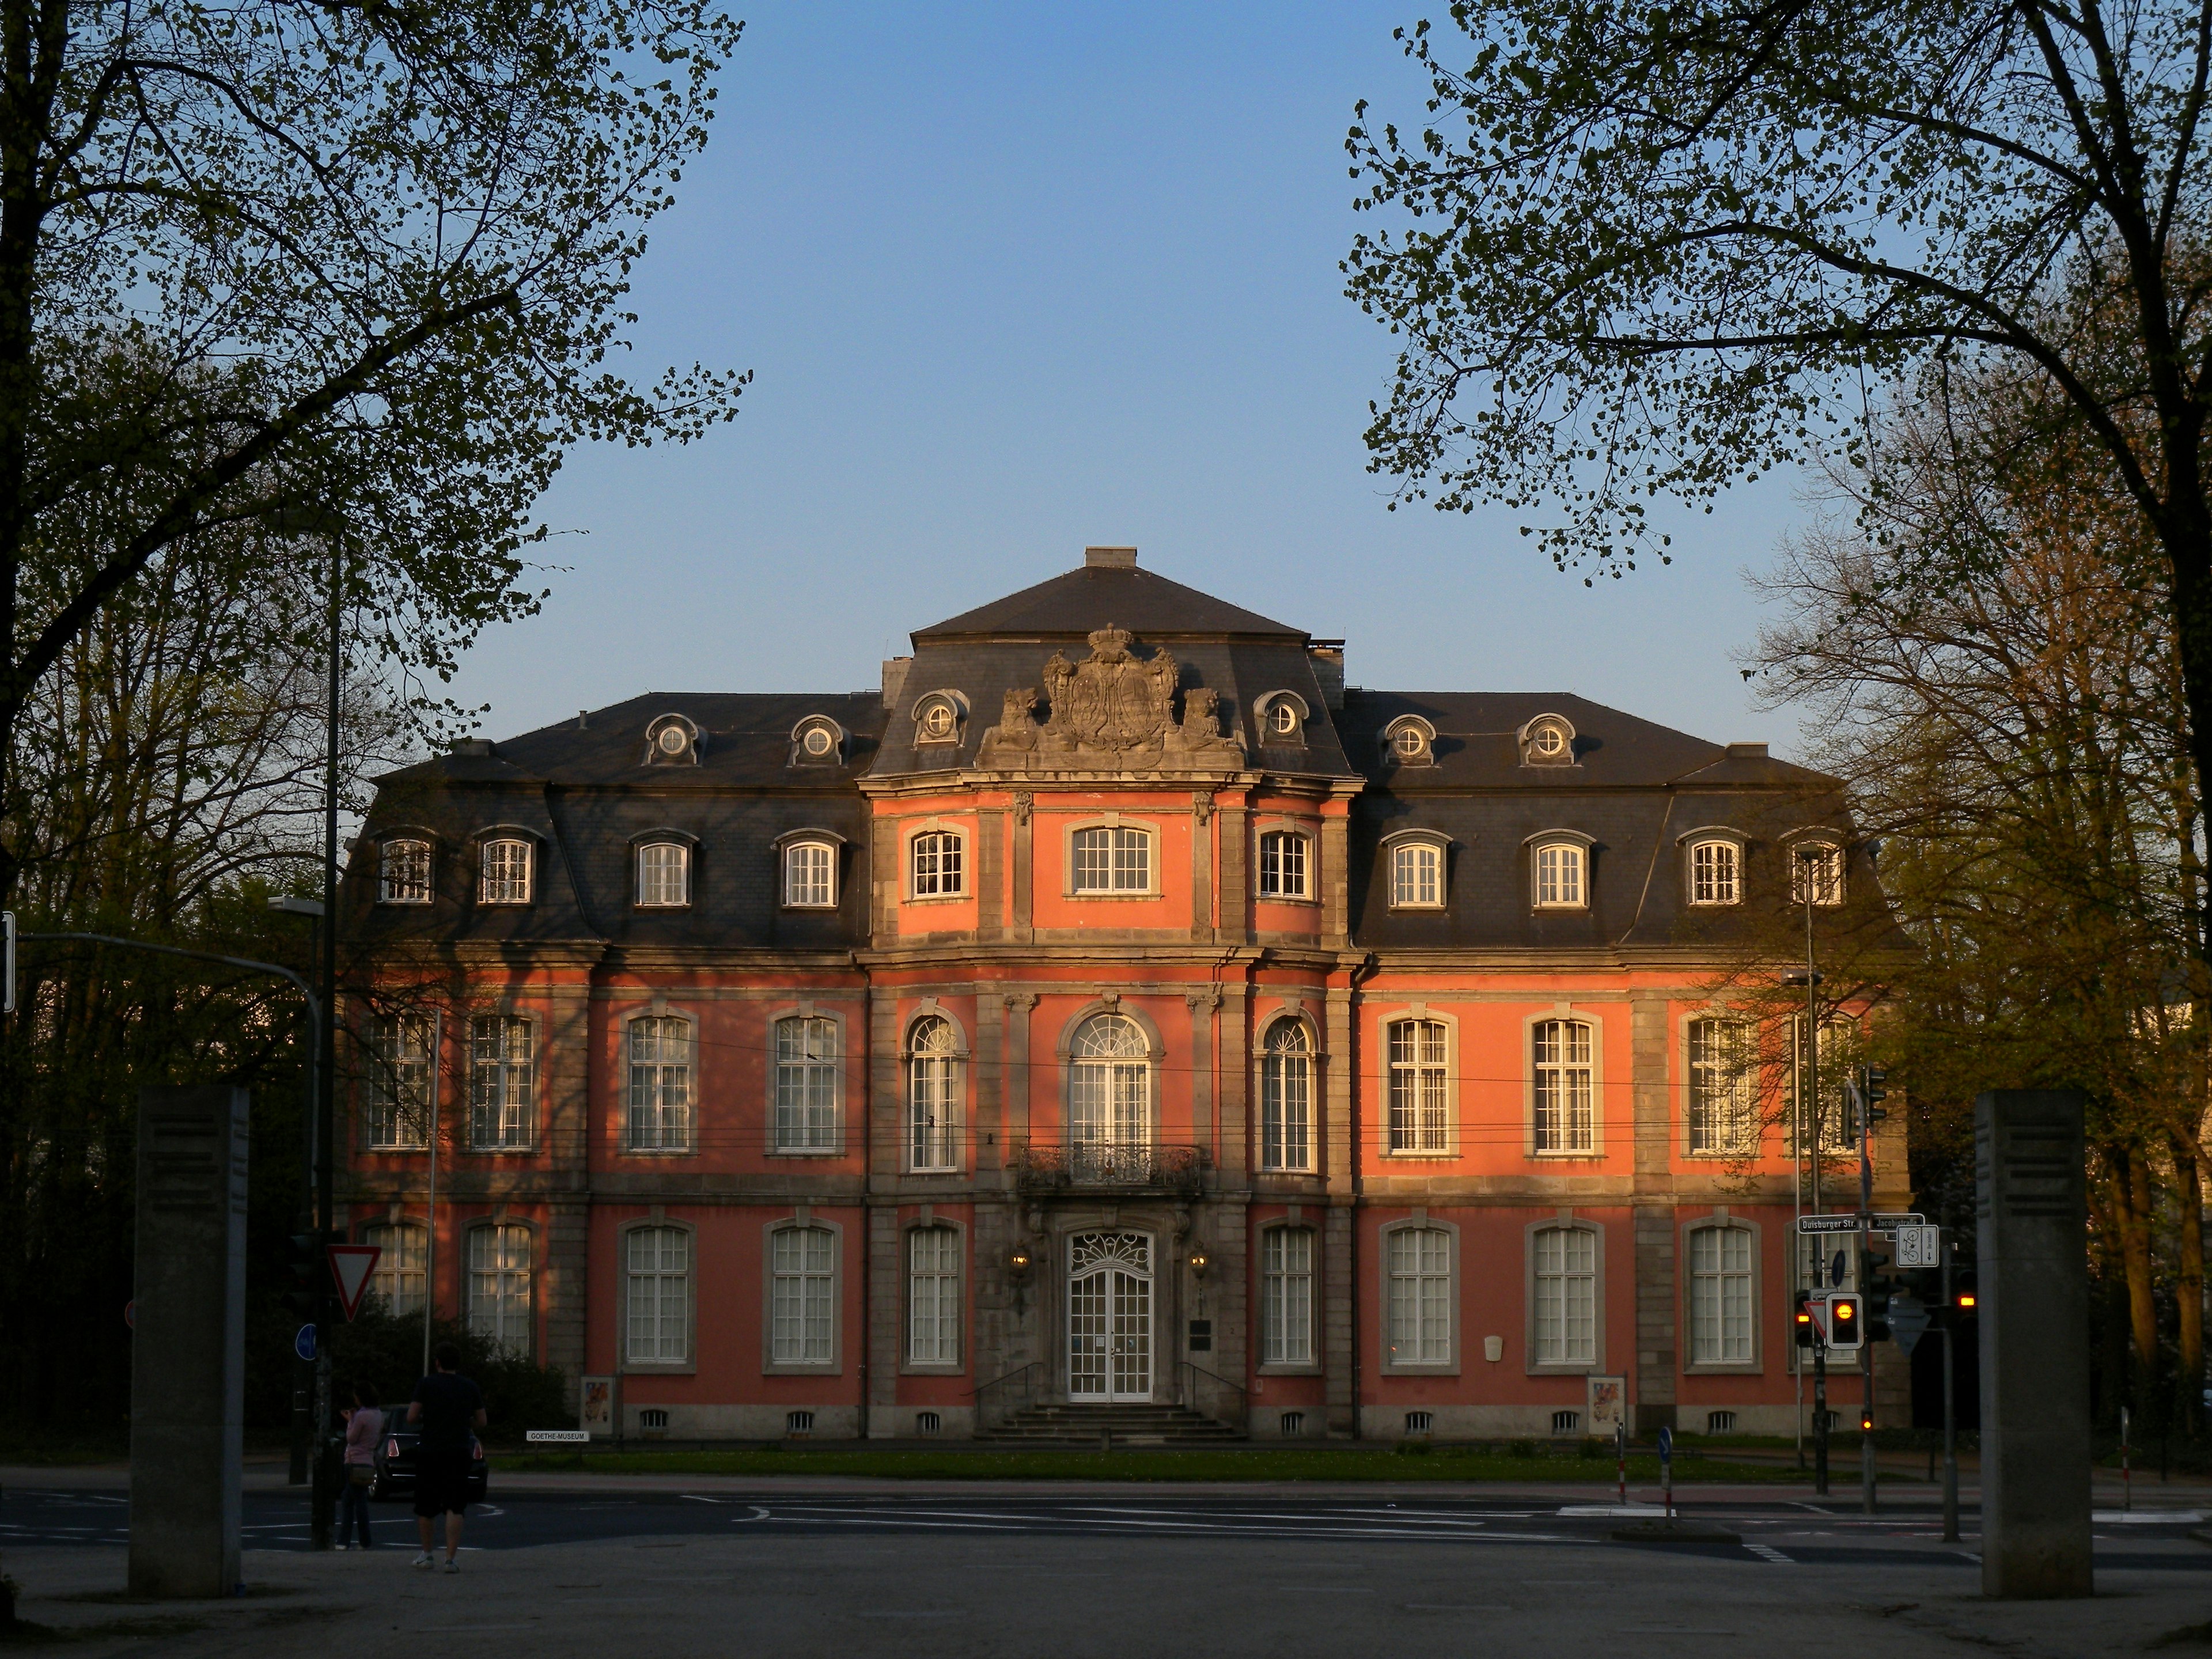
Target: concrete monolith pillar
{"points": [[188, 1346], [2034, 1289]]}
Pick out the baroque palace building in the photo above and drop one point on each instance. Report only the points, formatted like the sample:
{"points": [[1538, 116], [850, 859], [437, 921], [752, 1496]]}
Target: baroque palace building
{"points": [[1113, 1012]]}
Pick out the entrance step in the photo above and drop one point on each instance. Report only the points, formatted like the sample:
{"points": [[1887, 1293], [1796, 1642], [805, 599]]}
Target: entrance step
{"points": [[1137, 1423]]}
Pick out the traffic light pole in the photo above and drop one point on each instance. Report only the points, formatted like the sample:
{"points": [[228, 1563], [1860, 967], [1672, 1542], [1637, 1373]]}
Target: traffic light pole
{"points": [[1866, 1288], [1820, 1415], [323, 1500], [1950, 1415]]}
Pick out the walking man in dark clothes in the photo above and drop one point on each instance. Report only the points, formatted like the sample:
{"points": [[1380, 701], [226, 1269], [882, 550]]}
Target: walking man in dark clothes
{"points": [[446, 1410]]}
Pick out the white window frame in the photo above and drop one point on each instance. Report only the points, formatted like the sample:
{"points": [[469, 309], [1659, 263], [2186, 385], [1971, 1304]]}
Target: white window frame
{"points": [[934, 1310], [1285, 865], [956, 715], [934, 1076], [1724, 1080], [1416, 870], [405, 1256], [1423, 1082], [1421, 752], [1412, 1285], [663, 1296], [508, 1122], [1564, 1083], [936, 864], [401, 1068], [492, 1302], [1288, 1094], [1123, 837], [1699, 1279], [654, 863], [1828, 884], [662, 1084], [1567, 1276], [1532, 751], [506, 871], [1559, 873], [1288, 1250], [796, 1127], [808, 873], [1271, 709], [406, 871], [1126, 1116], [1713, 872], [795, 1289]]}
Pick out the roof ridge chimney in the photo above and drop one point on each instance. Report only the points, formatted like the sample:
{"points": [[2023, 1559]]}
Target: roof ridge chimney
{"points": [[1110, 558]]}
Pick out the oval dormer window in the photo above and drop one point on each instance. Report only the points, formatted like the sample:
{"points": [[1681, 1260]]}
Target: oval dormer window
{"points": [[674, 741]]}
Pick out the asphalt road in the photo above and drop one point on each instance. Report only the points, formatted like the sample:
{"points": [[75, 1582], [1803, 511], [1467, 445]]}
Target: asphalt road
{"points": [[1781, 1533]]}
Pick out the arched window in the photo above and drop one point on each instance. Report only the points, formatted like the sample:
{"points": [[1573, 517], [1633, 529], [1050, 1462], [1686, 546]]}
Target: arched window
{"points": [[1417, 875], [803, 1297], [1716, 872], [1720, 1086], [404, 873], [1286, 1098], [1558, 870], [660, 1290], [503, 874], [1565, 1304], [1816, 874], [938, 866], [1110, 1085], [932, 1297], [1721, 1295], [1565, 1091], [933, 1097], [663, 875], [1284, 858], [659, 1083], [1420, 1097], [810, 876], [805, 1085], [399, 1280], [499, 1287], [1286, 1296], [1419, 1311]]}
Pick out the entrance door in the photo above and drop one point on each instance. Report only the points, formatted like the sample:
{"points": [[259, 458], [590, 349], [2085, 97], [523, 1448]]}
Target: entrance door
{"points": [[1109, 1317]]}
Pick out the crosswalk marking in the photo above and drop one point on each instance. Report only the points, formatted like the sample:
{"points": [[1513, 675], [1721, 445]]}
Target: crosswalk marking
{"points": [[1768, 1553]]}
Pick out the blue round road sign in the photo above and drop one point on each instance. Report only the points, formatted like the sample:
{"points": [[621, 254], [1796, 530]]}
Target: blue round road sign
{"points": [[304, 1344]]}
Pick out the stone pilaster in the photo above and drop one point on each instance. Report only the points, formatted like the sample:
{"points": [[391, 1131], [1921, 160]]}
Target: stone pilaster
{"points": [[1340, 1336], [563, 1277], [1024, 867], [883, 1293], [1202, 865], [1657, 1297]]}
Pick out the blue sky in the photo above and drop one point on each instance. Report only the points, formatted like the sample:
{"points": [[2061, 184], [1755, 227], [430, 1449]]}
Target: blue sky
{"points": [[1015, 280]]}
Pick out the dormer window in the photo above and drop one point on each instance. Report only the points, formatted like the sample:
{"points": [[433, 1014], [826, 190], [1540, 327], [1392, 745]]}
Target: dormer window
{"points": [[1547, 740], [1282, 719], [817, 740], [503, 871], [1416, 870], [663, 875], [810, 875], [671, 740], [404, 872], [938, 716], [1716, 870], [1410, 740], [1816, 874], [1560, 868]]}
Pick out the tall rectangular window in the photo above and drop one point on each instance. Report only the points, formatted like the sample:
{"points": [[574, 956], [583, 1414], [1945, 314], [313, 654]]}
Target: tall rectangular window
{"points": [[501, 1083], [938, 865], [1565, 1273], [1286, 1296], [1720, 1296], [932, 1096], [810, 876], [1286, 1099], [1115, 860], [1559, 876], [404, 873], [1283, 859], [803, 1297], [1720, 1087], [399, 1082], [1419, 1099], [660, 1271], [504, 876], [399, 1278], [1419, 1302], [659, 1083], [806, 1085], [1566, 1090], [1417, 875], [932, 1297], [499, 1287], [663, 875]]}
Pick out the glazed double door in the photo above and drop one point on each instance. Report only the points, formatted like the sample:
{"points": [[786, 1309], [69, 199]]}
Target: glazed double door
{"points": [[1109, 1318]]}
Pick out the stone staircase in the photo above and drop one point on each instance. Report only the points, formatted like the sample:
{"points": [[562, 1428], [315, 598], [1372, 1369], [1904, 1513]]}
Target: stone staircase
{"points": [[1129, 1426]]}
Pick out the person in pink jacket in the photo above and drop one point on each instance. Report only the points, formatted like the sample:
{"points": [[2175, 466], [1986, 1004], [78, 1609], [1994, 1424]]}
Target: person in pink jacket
{"points": [[364, 1422]]}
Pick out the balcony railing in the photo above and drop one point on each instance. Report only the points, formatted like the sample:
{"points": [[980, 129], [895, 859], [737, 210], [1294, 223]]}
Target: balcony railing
{"points": [[1098, 1166]]}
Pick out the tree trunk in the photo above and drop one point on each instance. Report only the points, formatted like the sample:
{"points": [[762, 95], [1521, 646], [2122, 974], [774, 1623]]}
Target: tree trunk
{"points": [[2132, 1195], [2188, 1294]]}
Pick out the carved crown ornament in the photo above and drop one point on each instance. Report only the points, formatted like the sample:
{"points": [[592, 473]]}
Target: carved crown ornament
{"points": [[1115, 711]]}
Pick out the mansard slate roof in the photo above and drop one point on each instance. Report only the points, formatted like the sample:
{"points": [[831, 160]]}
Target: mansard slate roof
{"points": [[585, 790]]}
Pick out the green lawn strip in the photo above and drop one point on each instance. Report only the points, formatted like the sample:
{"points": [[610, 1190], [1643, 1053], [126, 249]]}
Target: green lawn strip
{"points": [[1375, 1464]]}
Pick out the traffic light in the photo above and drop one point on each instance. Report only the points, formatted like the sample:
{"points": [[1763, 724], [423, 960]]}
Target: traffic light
{"points": [[1846, 1321], [1801, 1319], [1876, 1089], [305, 1270]]}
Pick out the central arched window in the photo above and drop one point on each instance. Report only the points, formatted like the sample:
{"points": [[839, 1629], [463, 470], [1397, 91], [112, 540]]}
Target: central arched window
{"points": [[1565, 1087], [663, 875], [1286, 1098], [1112, 859], [933, 1097], [1109, 1083], [938, 864], [1285, 855], [659, 1083], [499, 1287], [1559, 870], [810, 876], [404, 873], [1419, 1093], [1417, 875]]}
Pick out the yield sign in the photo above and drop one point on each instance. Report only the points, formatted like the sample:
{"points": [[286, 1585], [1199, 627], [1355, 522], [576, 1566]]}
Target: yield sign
{"points": [[351, 1265]]}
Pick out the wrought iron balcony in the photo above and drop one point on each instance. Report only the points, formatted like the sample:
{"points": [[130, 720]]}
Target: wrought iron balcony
{"points": [[1105, 1166]]}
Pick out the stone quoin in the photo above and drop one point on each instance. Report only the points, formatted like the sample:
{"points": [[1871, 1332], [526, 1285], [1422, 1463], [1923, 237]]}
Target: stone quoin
{"points": [[1115, 1012]]}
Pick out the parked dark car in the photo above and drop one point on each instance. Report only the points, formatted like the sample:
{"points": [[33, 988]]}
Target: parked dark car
{"points": [[393, 1474]]}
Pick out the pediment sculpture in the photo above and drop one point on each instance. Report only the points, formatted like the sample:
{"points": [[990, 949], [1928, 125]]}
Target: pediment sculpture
{"points": [[1115, 711]]}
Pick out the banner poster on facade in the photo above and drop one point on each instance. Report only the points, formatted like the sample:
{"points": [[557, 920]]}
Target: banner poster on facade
{"points": [[1608, 1404], [599, 1412]]}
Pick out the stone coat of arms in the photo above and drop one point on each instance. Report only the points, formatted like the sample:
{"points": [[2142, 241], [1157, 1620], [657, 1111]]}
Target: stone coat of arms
{"points": [[1115, 711]]}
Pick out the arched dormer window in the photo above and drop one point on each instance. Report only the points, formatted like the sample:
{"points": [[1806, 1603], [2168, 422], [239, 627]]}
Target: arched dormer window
{"points": [[940, 718], [1283, 716], [673, 740], [1712, 865], [1547, 740], [1558, 870], [664, 872], [817, 740], [504, 869], [1409, 740], [1816, 873], [402, 871], [809, 863], [1414, 864]]}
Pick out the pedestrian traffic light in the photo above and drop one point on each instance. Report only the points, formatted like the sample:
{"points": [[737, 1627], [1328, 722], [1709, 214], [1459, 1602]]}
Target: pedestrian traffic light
{"points": [[1846, 1320], [304, 1269], [1800, 1319]]}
